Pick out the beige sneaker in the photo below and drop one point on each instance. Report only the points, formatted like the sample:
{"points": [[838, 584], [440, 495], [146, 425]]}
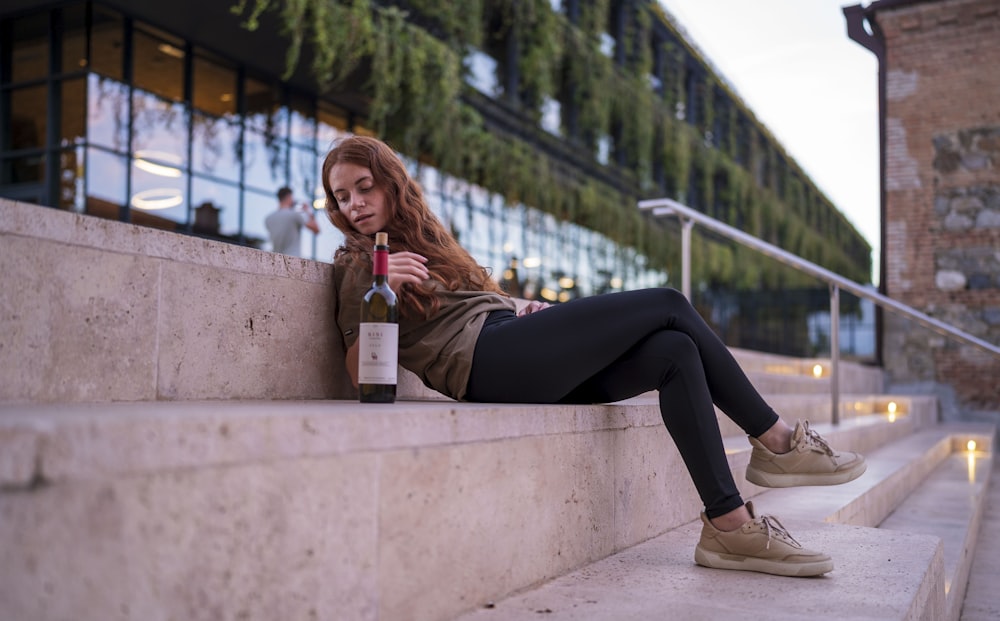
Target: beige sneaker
{"points": [[762, 544], [810, 461]]}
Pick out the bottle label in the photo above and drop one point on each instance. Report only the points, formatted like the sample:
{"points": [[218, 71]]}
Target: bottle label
{"points": [[378, 353]]}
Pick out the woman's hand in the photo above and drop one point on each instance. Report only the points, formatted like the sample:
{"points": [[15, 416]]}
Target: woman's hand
{"points": [[531, 307], [407, 267]]}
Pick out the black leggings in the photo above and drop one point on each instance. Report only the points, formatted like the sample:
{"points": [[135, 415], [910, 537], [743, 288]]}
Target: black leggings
{"points": [[618, 345]]}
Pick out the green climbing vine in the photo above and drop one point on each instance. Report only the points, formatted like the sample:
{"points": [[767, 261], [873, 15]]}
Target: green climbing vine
{"points": [[407, 59]]}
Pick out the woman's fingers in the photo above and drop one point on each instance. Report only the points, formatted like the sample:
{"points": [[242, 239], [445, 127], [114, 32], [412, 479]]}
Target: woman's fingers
{"points": [[532, 307], [407, 267]]}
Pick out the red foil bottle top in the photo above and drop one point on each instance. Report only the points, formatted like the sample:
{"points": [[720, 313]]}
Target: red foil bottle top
{"points": [[381, 267]]}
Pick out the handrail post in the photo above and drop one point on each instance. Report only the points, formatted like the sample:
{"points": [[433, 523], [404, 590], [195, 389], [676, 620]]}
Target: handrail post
{"points": [[687, 224], [835, 353]]}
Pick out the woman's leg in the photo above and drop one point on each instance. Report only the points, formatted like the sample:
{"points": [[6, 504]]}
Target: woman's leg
{"points": [[670, 362], [544, 356], [615, 346]]}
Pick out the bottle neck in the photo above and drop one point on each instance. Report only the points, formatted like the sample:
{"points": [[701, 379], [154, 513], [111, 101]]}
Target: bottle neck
{"points": [[381, 267]]}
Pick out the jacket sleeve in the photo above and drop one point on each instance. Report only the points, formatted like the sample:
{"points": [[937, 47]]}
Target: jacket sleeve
{"points": [[350, 285]]}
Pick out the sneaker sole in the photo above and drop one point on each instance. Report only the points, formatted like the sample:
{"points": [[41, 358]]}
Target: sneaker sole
{"points": [[771, 479], [715, 560]]}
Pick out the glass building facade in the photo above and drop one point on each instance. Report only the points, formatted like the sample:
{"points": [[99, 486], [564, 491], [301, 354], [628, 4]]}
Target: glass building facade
{"points": [[112, 117]]}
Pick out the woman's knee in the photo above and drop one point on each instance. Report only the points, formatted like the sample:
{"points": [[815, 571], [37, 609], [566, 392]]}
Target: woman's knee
{"points": [[672, 298], [677, 347]]}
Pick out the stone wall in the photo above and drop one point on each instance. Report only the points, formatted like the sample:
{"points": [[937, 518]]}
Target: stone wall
{"points": [[942, 220], [94, 310]]}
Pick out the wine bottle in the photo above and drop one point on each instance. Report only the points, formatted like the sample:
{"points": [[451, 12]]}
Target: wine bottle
{"points": [[378, 347]]}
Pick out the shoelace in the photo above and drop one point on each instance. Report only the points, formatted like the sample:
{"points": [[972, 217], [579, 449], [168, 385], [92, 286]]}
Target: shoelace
{"points": [[814, 439], [772, 527]]}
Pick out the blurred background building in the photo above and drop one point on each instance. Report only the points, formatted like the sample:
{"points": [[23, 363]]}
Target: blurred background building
{"points": [[534, 127], [940, 149]]}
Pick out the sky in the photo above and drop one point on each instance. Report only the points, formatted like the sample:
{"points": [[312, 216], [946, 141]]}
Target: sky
{"points": [[816, 90]]}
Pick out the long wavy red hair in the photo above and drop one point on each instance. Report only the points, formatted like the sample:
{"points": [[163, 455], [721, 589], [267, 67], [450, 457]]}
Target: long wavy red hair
{"points": [[412, 225]]}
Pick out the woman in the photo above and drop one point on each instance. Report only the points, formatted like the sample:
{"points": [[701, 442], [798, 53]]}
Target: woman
{"points": [[461, 335]]}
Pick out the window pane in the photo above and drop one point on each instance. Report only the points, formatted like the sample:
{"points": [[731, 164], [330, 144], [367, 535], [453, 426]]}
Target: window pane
{"points": [[331, 125], [305, 180], [27, 118], [328, 239], [263, 108], [74, 111], [158, 195], [30, 47], [217, 208], [105, 175], [482, 73], [477, 241], [214, 86], [257, 205], [23, 169], [106, 42], [264, 161], [107, 112], [303, 121], [74, 38], [552, 116], [216, 147], [159, 129], [159, 64]]}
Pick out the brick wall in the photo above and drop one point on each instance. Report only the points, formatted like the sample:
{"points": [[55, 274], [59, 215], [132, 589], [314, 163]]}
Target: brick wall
{"points": [[942, 227]]}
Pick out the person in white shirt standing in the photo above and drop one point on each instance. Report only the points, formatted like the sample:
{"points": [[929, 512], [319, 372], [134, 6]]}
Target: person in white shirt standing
{"points": [[284, 225]]}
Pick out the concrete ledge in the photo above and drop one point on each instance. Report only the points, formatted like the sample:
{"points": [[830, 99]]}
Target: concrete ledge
{"points": [[413, 511], [55, 443], [96, 310], [331, 510]]}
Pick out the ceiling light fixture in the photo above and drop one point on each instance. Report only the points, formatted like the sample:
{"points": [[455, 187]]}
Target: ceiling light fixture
{"points": [[157, 198]]}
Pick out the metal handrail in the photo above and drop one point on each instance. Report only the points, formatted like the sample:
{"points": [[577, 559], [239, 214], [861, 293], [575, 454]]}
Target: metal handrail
{"points": [[689, 217]]}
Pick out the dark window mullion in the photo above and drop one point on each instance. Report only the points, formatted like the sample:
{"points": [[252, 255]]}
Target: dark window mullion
{"points": [[189, 155], [128, 60]]}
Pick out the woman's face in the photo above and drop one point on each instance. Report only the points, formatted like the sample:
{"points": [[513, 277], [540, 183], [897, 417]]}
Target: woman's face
{"points": [[358, 198]]}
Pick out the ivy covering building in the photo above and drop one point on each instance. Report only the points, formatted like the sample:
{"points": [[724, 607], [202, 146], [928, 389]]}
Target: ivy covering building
{"points": [[535, 126]]}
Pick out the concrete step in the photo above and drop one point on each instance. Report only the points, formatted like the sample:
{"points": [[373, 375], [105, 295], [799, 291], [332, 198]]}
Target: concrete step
{"points": [[894, 472], [928, 483], [919, 557], [982, 599], [658, 580], [816, 408], [415, 511], [949, 505]]}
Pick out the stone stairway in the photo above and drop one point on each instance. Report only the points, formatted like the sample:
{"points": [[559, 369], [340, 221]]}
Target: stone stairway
{"points": [[175, 444], [902, 538], [431, 510]]}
